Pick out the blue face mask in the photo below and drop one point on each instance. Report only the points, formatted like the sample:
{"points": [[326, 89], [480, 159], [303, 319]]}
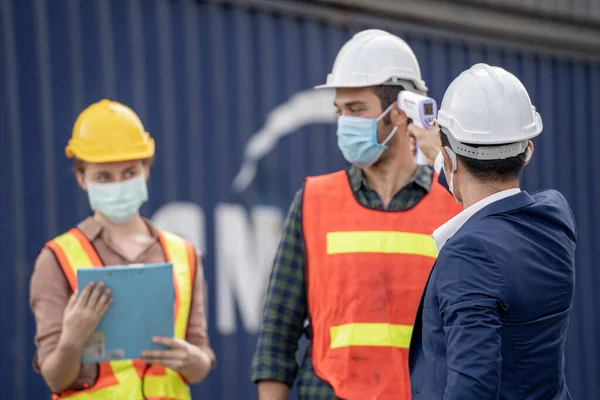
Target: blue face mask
{"points": [[118, 201], [357, 139]]}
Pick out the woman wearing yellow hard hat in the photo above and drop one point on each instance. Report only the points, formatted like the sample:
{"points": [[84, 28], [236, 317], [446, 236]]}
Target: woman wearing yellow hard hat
{"points": [[113, 155]]}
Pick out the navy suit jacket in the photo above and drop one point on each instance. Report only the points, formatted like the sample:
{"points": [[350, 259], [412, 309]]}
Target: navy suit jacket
{"points": [[492, 322]]}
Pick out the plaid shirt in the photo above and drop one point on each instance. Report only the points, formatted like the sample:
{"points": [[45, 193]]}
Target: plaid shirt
{"points": [[286, 306]]}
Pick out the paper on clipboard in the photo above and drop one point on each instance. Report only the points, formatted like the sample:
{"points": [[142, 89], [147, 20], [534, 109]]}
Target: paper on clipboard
{"points": [[143, 307]]}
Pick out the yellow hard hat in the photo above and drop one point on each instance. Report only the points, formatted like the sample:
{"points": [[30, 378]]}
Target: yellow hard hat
{"points": [[109, 131]]}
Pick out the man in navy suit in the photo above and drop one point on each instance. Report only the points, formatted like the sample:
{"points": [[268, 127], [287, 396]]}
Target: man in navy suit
{"points": [[493, 317]]}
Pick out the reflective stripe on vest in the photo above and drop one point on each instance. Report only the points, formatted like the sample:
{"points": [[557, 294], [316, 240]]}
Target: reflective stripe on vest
{"points": [[381, 242], [123, 379], [366, 270]]}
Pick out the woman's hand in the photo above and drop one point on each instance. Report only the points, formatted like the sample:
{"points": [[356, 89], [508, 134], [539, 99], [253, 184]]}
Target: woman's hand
{"points": [[192, 361], [83, 313]]}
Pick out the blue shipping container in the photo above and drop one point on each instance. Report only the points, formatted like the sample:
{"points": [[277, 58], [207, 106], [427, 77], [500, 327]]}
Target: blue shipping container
{"points": [[205, 78]]}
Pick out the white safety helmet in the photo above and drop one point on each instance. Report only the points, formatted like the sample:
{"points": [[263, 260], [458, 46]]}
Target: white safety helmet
{"points": [[374, 57], [489, 106]]}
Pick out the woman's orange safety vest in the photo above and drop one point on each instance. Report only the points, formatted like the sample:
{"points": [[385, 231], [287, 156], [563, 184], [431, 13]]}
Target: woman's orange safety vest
{"points": [[133, 379], [366, 271]]}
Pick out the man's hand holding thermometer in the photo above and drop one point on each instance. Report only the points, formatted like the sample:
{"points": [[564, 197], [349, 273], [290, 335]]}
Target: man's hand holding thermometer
{"points": [[422, 111]]}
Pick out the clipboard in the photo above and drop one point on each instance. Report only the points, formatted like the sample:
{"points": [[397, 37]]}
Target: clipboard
{"points": [[143, 307]]}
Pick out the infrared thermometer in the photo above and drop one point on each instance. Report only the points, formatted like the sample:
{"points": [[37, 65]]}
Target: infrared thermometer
{"points": [[422, 110]]}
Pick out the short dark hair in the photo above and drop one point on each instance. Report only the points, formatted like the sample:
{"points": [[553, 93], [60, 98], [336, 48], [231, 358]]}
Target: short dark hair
{"points": [[490, 170], [387, 94]]}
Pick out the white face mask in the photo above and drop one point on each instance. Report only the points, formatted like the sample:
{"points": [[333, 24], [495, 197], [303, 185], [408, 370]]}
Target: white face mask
{"points": [[118, 201], [452, 156]]}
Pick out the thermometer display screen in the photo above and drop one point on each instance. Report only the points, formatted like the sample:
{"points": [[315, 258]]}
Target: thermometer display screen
{"points": [[428, 108]]}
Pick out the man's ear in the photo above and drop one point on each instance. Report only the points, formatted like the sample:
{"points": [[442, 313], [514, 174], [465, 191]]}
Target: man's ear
{"points": [[398, 117], [147, 170], [530, 150], [81, 180]]}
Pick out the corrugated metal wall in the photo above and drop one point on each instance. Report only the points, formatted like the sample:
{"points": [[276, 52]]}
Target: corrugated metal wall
{"points": [[203, 77], [579, 9], [587, 11], [503, 20]]}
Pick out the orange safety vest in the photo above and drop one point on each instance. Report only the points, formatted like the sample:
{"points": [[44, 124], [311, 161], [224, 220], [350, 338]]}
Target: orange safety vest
{"points": [[133, 379], [366, 270]]}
